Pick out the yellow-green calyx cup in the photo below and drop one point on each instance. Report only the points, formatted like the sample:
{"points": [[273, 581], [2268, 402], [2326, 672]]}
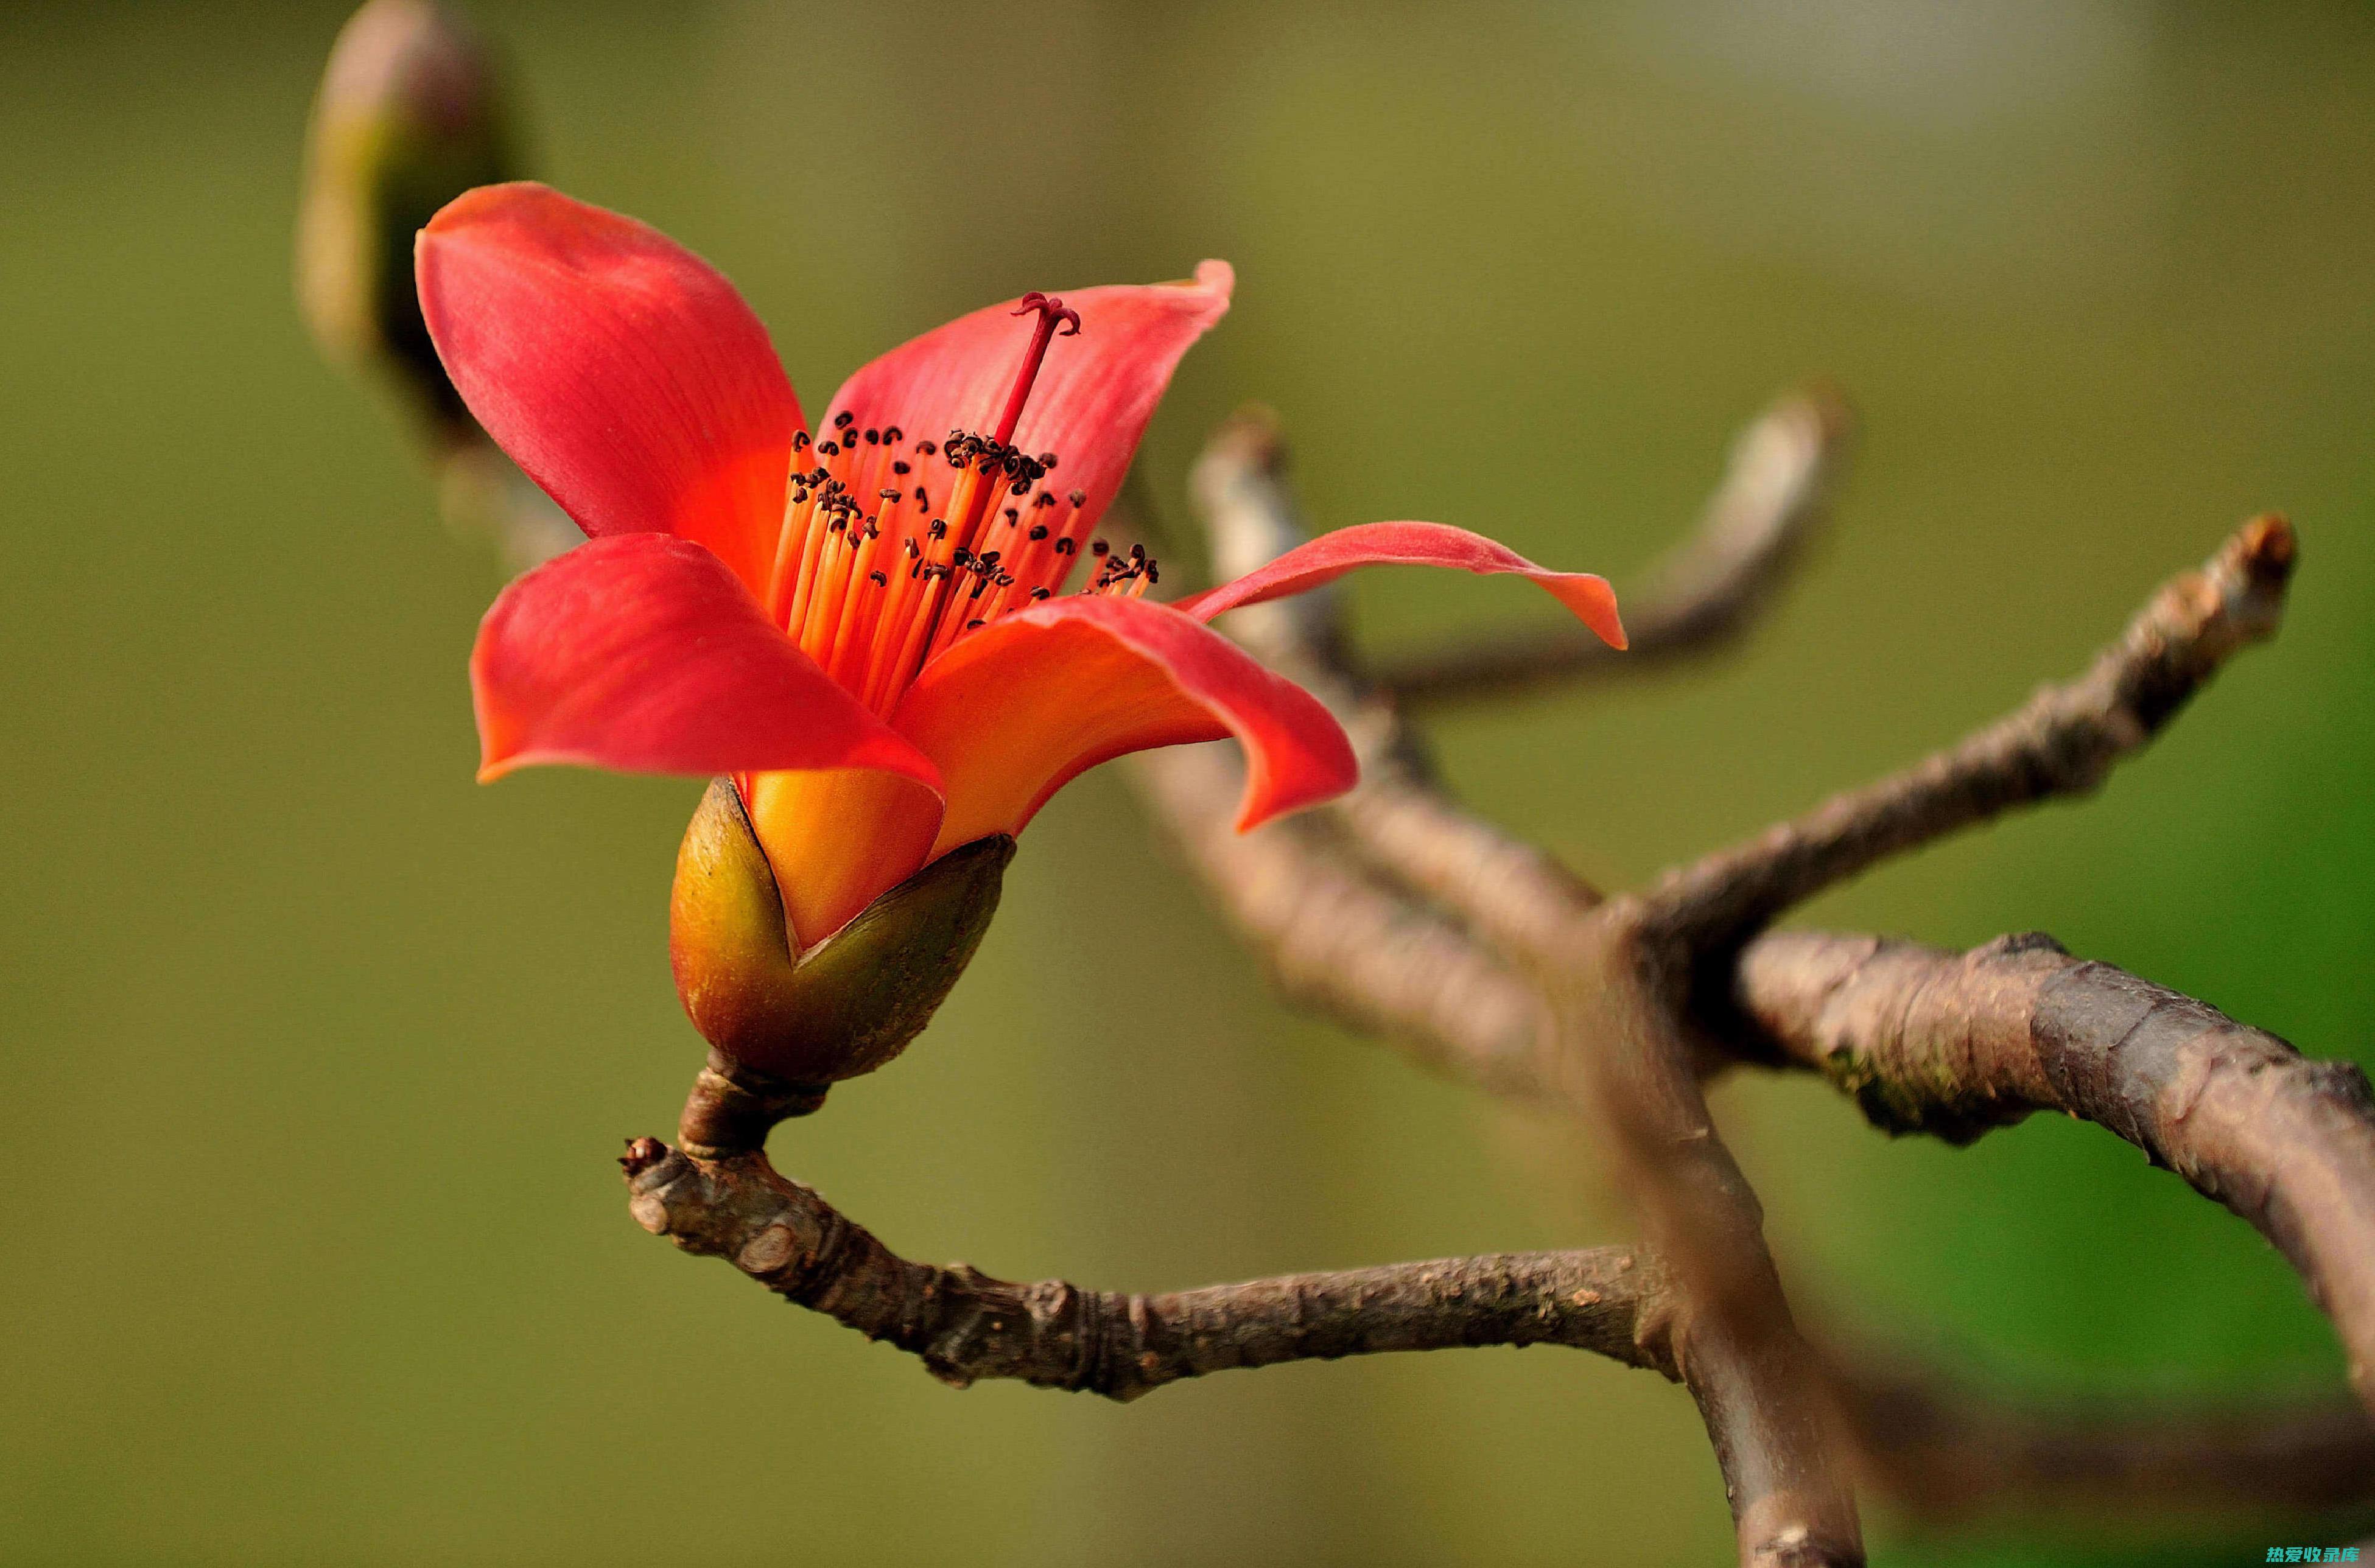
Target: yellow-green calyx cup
{"points": [[850, 1003]]}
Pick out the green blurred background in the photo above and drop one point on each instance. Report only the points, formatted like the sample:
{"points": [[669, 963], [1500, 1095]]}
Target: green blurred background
{"points": [[317, 1055]]}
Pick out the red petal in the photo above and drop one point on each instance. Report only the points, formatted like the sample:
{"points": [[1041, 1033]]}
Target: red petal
{"points": [[1019, 708], [1331, 556], [1095, 393], [617, 368], [643, 653]]}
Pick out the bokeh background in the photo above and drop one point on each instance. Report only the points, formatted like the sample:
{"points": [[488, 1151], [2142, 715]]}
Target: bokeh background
{"points": [[316, 1055]]}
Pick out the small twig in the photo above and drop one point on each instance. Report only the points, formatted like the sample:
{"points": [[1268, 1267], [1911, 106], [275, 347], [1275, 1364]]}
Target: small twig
{"points": [[966, 1325], [2061, 742], [1955, 1044], [1784, 469]]}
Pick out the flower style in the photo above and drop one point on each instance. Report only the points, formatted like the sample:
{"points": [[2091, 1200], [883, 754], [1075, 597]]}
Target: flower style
{"points": [[865, 629]]}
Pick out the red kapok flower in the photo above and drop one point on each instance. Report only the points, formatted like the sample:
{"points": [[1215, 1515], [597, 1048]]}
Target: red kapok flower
{"points": [[866, 628]]}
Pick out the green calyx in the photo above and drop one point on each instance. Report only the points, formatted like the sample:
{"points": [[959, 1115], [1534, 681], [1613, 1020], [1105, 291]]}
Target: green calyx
{"points": [[851, 1002]]}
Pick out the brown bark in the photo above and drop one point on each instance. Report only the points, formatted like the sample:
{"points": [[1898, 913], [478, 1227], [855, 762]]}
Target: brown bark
{"points": [[965, 1326], [1955, 1044]]}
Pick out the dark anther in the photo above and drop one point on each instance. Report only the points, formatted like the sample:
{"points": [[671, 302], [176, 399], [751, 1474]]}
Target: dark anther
{"points": [[1099, 548], [971, 624], [927, 447], [1044, 498], [1039, 532], [830, 449], [799, 441], [1079, 498], [1064, 546], [940, 529], [1039, 592], [843, 420], [893, 432], [879, 580], [963, 555], [1048, 461], [891, 494], [900, 467]]}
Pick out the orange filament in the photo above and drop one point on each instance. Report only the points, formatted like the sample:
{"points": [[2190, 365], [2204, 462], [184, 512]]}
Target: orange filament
{"points": [[886, 560]]}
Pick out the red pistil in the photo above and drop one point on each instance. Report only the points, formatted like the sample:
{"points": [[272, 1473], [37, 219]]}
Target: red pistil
{"points": [[873, 599], [1051, 309]]}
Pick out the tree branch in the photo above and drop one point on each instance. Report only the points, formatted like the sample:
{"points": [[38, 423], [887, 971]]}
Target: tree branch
{"points": [[2064, 741], [2061, 742], [1698, 601], [1953, 1044], [966, 1325]]}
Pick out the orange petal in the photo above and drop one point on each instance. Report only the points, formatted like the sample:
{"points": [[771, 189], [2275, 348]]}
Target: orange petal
{"points": [[837, 838], [1021, 707], [620, 370]]}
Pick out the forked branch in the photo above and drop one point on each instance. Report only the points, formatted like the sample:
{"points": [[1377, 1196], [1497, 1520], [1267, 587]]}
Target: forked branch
{"points": [[1402, 913], [1404, 845]]}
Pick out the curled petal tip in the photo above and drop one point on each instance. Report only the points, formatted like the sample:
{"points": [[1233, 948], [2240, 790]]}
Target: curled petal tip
{"points": [[1593, 602]]}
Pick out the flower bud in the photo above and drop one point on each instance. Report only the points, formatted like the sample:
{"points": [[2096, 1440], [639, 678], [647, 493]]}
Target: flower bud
{"points": [[410, 114], [850, 1003]]}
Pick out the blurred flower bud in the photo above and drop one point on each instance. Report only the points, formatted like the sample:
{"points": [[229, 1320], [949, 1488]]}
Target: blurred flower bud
{"points": [[411, 113], [850, 1003]]}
